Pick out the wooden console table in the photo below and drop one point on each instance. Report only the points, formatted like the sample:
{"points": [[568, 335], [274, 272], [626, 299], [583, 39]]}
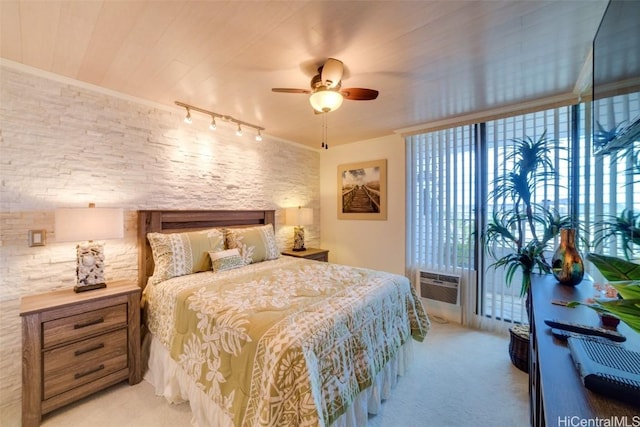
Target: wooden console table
{"points": [[558, 397]]}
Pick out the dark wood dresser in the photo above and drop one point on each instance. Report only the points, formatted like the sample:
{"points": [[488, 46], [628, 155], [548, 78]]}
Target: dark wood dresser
{"points": [[558, 397]]}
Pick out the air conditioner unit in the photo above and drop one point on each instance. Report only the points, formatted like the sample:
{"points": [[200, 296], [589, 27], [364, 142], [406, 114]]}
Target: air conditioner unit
{"points": [[440, 287]]}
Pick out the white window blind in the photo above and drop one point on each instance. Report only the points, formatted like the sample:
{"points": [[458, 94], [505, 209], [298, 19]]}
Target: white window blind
{"points": [[441, 209], [609, 184], [501, 303], [450, 172]]}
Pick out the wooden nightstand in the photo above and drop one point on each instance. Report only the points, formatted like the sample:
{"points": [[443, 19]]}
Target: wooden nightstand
{"points": [[310, 253], [74, 344]]}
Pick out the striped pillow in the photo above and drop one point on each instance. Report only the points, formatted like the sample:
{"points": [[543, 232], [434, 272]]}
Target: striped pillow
{"points": [[256, 244], [226, 260], [178, 254]]}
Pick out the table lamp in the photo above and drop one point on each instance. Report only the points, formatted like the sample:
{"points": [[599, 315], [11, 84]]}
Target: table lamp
{"points": [[86, 225], [299, 217]]}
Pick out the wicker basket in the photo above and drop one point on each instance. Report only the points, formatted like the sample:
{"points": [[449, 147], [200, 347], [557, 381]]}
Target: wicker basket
{"points": [[519, 347]]}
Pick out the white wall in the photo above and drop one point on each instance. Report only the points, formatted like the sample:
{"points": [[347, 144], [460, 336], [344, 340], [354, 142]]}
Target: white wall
{"points": [[371, 244], [65, 144]]}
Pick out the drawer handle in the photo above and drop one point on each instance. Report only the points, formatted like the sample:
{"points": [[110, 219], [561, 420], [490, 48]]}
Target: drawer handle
{"points": [[88, 350], [91, 323], [89, 372]]}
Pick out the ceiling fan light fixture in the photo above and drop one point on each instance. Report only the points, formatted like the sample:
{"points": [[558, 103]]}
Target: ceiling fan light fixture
{"points": [[325, 100]]}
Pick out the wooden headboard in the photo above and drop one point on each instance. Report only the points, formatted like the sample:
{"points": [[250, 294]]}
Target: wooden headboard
{"points": [[178, 221]]}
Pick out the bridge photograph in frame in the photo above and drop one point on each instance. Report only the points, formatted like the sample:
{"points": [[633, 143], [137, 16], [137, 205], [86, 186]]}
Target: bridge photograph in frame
{"points": [[362, 190]]}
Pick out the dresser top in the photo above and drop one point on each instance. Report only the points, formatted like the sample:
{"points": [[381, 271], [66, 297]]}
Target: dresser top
{"points": [[46, 301], [562, 389]]}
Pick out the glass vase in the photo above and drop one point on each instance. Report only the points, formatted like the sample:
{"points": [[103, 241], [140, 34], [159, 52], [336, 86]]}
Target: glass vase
{"points": [[566, 264]]}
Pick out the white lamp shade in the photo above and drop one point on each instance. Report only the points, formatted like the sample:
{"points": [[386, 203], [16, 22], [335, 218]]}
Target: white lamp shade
{"points": [[324, 100], [80, 224], [299, 216]]}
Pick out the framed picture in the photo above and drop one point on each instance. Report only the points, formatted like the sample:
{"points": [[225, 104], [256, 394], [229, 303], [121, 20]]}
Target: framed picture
{"points": [[362, 190]]}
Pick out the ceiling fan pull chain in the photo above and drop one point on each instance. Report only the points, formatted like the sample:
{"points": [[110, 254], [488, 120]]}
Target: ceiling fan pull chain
{"points": [[325, 144], [324, 118]]}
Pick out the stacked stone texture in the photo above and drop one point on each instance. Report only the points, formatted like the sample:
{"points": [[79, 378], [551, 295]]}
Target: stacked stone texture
{"points": [[65, 145]]}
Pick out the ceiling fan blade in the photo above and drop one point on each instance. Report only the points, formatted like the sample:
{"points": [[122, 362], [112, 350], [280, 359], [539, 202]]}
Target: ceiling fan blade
{"points": [[332, 73], [288, 90], [359, 94]]}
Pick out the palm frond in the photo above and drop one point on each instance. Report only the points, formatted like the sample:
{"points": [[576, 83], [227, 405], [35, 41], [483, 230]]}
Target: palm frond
{"points": [[626, 226]]}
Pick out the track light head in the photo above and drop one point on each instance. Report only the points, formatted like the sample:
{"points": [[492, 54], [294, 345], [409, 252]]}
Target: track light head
{"points": [[239, 130], [212, 126], [187, 118], [259, 136]]}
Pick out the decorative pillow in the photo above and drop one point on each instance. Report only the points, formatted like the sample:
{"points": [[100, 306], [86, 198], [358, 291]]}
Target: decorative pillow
{"points": [[178, 254], [226, 260], [256, 244]]}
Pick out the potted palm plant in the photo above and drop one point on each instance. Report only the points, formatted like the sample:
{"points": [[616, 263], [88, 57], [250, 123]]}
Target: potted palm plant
{"points": [[520, 231]]}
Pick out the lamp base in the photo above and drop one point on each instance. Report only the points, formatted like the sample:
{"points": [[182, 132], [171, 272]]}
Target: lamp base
{"points": [[84, 288], [90, 266], [298, 238], [302, 249]]}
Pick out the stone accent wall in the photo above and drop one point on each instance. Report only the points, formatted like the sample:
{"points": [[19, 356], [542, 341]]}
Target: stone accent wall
{"points": [[65, 145]]}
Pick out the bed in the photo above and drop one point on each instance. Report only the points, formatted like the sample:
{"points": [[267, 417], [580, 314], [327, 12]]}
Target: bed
{"points": [[252, 338]]}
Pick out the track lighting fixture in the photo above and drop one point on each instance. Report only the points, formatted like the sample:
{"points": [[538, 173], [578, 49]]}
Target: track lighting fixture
{"points": [[213, 116]]}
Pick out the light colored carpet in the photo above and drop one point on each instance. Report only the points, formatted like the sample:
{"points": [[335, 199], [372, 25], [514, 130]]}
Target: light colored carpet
{"points": [[459, 377]]}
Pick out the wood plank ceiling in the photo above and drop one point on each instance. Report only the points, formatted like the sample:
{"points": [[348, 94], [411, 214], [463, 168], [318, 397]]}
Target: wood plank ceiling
{"points": [[430, 60]]}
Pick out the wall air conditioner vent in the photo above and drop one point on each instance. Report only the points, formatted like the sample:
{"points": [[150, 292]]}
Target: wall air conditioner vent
{"points": [[440, 287]]}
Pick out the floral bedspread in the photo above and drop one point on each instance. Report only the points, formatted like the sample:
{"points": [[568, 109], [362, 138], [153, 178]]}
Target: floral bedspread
{"points": [[288, 342]]}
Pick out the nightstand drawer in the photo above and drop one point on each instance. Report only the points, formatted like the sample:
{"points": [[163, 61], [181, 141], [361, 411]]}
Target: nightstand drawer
{"points": [[68, 329], [315, 254], [75, 364], [321, 256]]}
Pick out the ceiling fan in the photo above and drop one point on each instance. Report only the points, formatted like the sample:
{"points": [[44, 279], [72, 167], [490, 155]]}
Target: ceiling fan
{"points": [[326, 92]]}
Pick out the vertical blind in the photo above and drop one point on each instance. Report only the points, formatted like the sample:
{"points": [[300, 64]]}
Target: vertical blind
{"points": [[502, 304], [450, 172], [441, 207], [608, 184]]}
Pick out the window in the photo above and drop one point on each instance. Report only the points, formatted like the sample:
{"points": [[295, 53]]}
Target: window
{"points": [[451, 171], [443, 208], [609, 184], [499, 301]]}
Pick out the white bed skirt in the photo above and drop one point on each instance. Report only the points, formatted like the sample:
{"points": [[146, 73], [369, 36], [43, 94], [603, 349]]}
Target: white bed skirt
{"points": [[170, 381]]}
